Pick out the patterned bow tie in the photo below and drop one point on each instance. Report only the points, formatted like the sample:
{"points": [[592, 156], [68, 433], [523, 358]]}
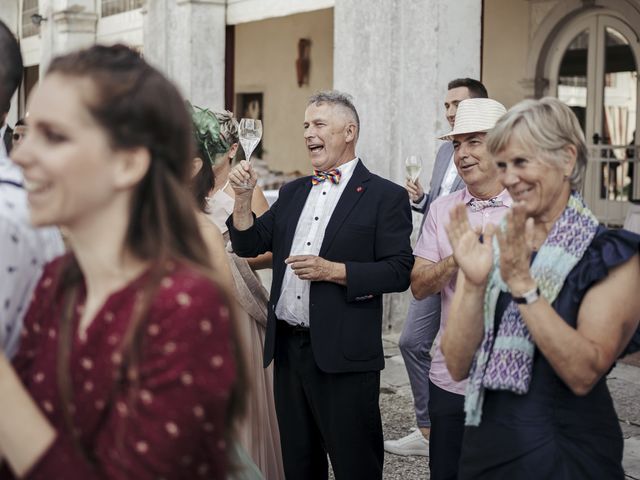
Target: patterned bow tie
{"points": [[332, 175], [478, 205]]}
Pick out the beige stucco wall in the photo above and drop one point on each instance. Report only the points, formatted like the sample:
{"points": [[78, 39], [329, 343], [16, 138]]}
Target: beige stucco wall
{"points": [[504, 49], [265, 57]]}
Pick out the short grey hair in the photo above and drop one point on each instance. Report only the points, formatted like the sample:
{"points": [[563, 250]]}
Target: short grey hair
{"points": [[335, 97], [544, 127], [228, 126]]}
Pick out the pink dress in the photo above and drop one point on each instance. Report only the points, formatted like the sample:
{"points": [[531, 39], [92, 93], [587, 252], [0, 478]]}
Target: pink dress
{"points": [[171, 426], [259, 434]]}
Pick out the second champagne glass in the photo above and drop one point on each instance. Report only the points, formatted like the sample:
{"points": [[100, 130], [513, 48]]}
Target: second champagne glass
{"points": [[413, 164]]}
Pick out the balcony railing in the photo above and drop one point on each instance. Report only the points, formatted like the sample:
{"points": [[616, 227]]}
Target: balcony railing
{"points": [[612, 181], [112, 7]]}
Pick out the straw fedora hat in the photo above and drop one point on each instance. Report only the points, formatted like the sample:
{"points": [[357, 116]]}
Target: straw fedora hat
{"points": [[475, 115]]}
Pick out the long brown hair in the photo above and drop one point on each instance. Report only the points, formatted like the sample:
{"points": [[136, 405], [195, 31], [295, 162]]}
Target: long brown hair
{"points": [[203, 182], [138, 107]]}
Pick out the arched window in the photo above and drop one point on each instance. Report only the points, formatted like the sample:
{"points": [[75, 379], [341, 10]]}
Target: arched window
{"points": [[592, 66]]}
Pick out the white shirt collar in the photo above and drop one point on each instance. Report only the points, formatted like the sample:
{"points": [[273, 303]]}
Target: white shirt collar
{"points": [[348, 168]]}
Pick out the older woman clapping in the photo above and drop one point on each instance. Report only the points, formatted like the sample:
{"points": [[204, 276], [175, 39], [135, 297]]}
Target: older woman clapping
{"points": [[543, 308]]}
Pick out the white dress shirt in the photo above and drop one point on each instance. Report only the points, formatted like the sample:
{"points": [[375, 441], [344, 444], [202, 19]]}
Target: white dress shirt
{"points": [[293, 304], [24, 250], [449, 178]]}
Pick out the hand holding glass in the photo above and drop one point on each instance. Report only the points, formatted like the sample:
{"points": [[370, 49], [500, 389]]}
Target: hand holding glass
{"points": [[250, 133]]}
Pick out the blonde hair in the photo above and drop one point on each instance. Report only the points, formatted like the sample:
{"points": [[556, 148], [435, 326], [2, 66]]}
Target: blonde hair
{"points": [[544, 127]]}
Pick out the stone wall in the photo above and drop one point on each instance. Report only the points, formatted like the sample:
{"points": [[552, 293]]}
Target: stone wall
{"points": [[185, 39], [396, 57]]}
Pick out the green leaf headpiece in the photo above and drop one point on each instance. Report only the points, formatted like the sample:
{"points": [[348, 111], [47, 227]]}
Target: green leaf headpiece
{"points": [[206, 129]]}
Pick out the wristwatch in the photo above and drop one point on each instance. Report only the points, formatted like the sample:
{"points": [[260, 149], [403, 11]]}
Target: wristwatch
{"points": [[529, 297]]}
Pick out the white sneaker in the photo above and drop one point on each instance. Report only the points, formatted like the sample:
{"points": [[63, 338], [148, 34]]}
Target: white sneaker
{"points": [[412, 444]]}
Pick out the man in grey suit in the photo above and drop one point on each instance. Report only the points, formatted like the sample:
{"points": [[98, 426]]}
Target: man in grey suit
{"points": [[423, 319]]}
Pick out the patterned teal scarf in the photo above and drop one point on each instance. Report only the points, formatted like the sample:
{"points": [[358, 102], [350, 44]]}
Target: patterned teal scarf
{"points": [[504, 361]]}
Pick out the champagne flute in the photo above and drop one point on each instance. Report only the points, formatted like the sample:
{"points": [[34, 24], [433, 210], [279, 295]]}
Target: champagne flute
{"points": [[413, 164], [250, 133]]}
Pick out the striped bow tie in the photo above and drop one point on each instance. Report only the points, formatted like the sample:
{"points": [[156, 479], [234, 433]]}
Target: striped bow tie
{"points": [[332, 175], [477, 205]]}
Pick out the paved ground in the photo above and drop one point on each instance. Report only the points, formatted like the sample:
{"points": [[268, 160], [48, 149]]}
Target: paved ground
{"points": [[398, 418]]}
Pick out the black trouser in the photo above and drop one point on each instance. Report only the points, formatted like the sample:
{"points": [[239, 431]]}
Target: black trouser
{"points": [[325, 413], [446, 411]]}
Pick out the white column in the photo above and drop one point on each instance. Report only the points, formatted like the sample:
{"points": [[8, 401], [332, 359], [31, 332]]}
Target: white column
{"points": [[186, 40], [396, 57], [69, 25]]}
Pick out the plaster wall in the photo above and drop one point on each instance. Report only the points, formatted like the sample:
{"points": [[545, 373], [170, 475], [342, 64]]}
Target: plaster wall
{"points": [[9, 15], [504, 62], [509, 47], [241, 11], [265, 56], [186, 41]]}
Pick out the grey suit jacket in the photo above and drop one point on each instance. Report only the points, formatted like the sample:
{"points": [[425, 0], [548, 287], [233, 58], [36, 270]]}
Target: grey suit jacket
{"points": [[437, 176]]}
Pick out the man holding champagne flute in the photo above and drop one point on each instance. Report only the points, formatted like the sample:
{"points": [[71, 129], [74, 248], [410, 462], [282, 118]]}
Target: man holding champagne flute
{"points": [[423, 318], [435, 268], [340, 240]]}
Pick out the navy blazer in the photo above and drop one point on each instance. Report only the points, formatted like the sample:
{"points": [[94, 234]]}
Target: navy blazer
{"points": [[368, 232]]}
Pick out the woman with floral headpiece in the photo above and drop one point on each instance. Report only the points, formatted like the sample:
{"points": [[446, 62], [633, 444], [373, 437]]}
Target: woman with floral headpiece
{"points": [[217, 143], [202, 182]]}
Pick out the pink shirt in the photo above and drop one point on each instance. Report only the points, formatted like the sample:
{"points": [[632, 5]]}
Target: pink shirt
{"points": [[433, 245]]}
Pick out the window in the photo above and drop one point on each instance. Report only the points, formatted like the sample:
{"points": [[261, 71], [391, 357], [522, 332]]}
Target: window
{"points": [[112, 7], [29, 7]]}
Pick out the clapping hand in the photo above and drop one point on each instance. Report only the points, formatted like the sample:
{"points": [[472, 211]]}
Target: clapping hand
{"points": [[516, 245], [473, 257], [243, 179]]}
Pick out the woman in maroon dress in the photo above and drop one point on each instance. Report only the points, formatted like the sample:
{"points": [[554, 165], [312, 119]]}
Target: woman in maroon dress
{"points": [[128, 367]]}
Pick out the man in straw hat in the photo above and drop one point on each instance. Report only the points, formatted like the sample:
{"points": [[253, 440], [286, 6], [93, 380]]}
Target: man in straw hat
{"points": [[423, 317], [435, 268]]}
